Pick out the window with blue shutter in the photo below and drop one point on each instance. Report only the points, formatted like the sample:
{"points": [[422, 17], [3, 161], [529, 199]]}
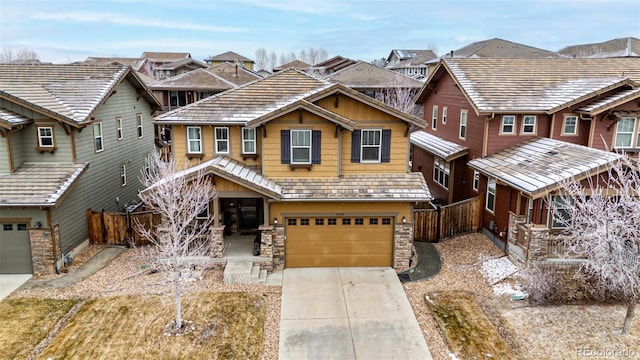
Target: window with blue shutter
{"points": [[367, 146], [355, 146], [386, 146], [300, 146], [285, 147], [316, 145]]}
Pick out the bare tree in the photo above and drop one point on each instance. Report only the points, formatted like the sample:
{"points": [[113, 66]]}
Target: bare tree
{"points": [[273, 60], [261, 59], [20, 57], [400, 95], [602, 225], [180, 243], [302, 56]]}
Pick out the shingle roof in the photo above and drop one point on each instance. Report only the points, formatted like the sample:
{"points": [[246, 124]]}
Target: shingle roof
{"points": [[402, 54], [155, 56], [9, 119], [499, 48], [232, 73], [369, 187], [610, 102], [363, 75], [182, 62], [540, 85], [229, 56], [622, 47], [198, 79], [67, 92], [537, 167], [444, 149], [296, 64], [133, 62], [38, 184]]}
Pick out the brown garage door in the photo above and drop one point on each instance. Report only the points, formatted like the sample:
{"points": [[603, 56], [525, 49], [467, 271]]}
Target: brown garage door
{"points": [[338, 241], [15, 249]]}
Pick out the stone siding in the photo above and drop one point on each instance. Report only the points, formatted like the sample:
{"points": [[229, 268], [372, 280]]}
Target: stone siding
{"points": [[217, 241], [266, 247], [402, 246], [42, 256], [278, 247]]}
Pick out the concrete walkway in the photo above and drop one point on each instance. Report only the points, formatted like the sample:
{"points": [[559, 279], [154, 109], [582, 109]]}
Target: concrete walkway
{"points": [[347, 313], [10, 282]]}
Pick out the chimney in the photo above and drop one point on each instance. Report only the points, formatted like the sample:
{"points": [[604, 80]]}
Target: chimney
{"points": [[236, 70], [451, 54]]}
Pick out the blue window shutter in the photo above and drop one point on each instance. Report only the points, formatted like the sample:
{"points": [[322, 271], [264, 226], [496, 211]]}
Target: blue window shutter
{"points": [[355, 146], [316, 144], [385, 157], [285, 147]]}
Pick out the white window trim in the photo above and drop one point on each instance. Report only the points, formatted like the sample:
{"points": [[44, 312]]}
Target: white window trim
{"points": [[96, 137], [564, 125], [434, 117], [220, 141], [513, 125], [119, 132], [524, 124], [199, 140], [40, 137], [139, 126], [633, 133], [247, 141], [309, 147], [441, 168], [551, 214], [123, 175], [463, 124], [205, 211], [491, 181], [476, 180], [444, 114], [362, 146]]}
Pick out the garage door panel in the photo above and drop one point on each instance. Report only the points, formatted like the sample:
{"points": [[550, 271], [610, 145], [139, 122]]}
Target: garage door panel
{"points": [[15, 249], [338, 247], [337, 260]]}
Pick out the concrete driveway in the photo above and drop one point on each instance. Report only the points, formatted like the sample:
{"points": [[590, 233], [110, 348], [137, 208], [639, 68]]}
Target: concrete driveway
{"points": [[10, 282], [347, 313]]}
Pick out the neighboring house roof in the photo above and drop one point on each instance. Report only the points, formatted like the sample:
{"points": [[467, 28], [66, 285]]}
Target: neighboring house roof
{"points": [[418, 61], [537, 167], [295, 64], [69, 93], [622, 47], [135, 63], [9, 119], [331, 65], [38, 184], [439, 147], [406, 54], [538, 85], [364, 187], [235, 74], [189, 62], [165, 57], [610, 102], [148, 80], [228, 56], [263, 72], [499, 48], [199, 79], [363, 75]]}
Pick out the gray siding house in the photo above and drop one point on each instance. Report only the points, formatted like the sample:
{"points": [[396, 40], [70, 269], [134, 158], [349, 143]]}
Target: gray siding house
{"points": [[72, 137]]}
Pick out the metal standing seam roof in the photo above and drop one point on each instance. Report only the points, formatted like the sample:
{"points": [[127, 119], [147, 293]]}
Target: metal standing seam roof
{"points": [[538, 166], [9, 119], [38, 184], [439, 147]]}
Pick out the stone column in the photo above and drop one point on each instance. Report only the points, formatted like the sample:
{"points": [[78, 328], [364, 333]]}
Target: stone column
{"points": [[266, 246], [278, 247], [42, 257], [217, 241], [403, 243]]}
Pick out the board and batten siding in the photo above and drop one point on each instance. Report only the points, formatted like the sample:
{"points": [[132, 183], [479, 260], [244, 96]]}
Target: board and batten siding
{"points": [[99, 186]]}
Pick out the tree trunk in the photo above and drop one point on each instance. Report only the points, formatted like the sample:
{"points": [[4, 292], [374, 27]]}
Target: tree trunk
{"points": [[626, 329], [178, 307]]}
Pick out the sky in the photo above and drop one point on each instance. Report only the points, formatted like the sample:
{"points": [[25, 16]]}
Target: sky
{"points": [[63, 31]]}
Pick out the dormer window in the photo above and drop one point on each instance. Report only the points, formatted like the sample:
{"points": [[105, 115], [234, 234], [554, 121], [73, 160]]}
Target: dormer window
{"points": [[222, 140], [371, 144], [301, 146], [45, 137], [248, 141]]}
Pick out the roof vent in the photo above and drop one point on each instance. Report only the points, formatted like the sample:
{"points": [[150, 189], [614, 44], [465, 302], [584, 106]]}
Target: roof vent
{"points": [[552, 152]]}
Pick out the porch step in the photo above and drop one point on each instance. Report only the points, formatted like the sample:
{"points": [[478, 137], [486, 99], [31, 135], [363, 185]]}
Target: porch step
{"points": [[244, 272]]}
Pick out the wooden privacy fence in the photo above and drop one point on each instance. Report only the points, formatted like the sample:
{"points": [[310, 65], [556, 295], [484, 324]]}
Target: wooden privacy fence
{"points": [[118, 228], [434, 224]]}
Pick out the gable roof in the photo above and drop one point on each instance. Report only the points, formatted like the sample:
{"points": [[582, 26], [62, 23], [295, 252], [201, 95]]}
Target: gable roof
{"points": [[199, 79], [182, 62], [10, 119], [537, 167], [68, 93], [499, 48], [406, 54], [38, 184], [622, 47], [135, 63], [295, 64], [418, 61], [164, 57], [234, 74], [362, 75], [539, 85], [229, 56], [334, 64]]}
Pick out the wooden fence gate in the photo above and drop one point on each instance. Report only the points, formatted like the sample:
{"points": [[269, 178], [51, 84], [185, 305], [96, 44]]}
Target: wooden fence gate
{"points": [[118, 228], [432, 225]]}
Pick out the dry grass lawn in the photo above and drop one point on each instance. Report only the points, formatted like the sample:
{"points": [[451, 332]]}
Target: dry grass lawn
{"points": [[227, 326], [26, 322], [466, 329]]}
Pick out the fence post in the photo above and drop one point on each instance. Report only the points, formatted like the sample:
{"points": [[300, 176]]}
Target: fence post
{"points": [[438, 222]]}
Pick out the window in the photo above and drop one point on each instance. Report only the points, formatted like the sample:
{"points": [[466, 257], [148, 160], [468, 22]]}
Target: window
{"points": [[332, 221], [373, 221], [292, 222], [45, 136], [508, 124], [301, 146], [177, 98], [359, 221], [123, 175], [561, 215], [304, 222], [139, 125], [441, 172], [476, 180], [194, 138], [319, 221], [570, 126], [346, 221], [624, 132], [146, 167], [491, 194], [434, 117], [204, 214], [119, 128], [21, 227], [248, 141], [222, 140], [529, 124], [7, 227], [386, 221], [97, 135], [444, 114], [463, 124], [371, 143]]}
